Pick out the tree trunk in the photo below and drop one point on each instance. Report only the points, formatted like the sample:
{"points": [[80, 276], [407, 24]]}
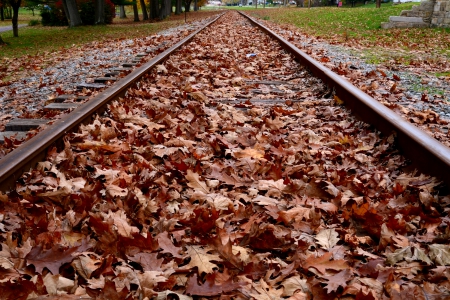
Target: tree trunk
{"points": [[66, 11], [195, 5], [178, 7], [168, 8], [122, 13], [162, 10], [187, 5], [2, 14], [15, 4], [154, 11], [144, 10], [99, 12], [136, 12], [73, 16], [378, 3]]}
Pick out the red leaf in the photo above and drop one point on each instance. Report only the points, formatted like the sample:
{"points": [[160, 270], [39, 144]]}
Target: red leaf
{"points": [[52, 259], [210, 288]]}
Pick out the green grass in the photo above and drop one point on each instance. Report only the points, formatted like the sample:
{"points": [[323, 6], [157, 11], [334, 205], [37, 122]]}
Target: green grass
{"points": [[39, 39], [25, 16], [360, 28], [326, 20]]}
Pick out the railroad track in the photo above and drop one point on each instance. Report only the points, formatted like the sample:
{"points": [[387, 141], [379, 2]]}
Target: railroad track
{"points": [[244, 130], [413, 142]]}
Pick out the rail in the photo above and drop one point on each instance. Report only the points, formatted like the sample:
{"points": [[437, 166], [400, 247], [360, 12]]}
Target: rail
{"points": [[426, 153]]}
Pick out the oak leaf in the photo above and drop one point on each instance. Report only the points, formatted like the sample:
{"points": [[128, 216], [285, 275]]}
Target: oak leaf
{"points": [[440, 254], [51, 259], [210, 288], [249, 152], [121, 223], [56, 284], [294, 284], [261, 290], [327, 238], [195, 182], [324, 262], [338, 280], [86, 264], [296, 214], [201, 259], [169, 295], [166, 244], [148, 261], [150, 279]]}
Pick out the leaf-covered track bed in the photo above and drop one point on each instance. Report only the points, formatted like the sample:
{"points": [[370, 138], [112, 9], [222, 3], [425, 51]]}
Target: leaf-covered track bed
{"points": [[172, 193], [27, 97], [391, 84]]}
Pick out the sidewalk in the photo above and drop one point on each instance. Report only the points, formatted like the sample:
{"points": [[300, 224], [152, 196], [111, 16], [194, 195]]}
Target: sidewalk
{"points": [[7, 28]]}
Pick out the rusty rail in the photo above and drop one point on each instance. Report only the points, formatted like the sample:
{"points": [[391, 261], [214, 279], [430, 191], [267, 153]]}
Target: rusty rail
{"points": [[29, 153], [426, 153]]}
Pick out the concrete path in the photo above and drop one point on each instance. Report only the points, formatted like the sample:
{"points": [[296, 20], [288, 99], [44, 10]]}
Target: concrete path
{"points": [[8, 28]]}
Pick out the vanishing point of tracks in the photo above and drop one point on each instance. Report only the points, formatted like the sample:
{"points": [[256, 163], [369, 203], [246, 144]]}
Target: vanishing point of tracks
{"points": [[230, 119]]}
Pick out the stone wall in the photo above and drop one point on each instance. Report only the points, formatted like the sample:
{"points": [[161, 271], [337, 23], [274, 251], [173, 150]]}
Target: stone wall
{"points": [[427, 14]]}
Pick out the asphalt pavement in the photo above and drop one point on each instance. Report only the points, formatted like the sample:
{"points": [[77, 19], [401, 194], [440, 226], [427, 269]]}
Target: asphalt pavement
{"points": [[7, 28]]}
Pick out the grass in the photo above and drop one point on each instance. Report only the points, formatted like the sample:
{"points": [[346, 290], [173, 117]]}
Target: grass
{"points": [[25, 16], [38, 39], [360, 27]]}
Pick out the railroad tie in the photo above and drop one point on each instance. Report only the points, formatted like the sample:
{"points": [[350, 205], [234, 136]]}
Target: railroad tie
{"points": [[128, 65], [24, 124], [123, 70], [104, 79], [91, 86], [62, 98], [61, 106], [112, 74]]}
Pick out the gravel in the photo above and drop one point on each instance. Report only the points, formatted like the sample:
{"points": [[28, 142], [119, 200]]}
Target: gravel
{"points": [[32, 93], [413, 84]]}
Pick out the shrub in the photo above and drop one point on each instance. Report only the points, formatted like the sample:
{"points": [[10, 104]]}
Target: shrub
{"points": [[54, 15], [34, 22]]}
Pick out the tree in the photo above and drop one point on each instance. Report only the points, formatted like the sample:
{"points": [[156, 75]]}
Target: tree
{"points": [[136, 12], [154, 9], [15, 4], [122, 13], [99, 12], [187, 5], [144, 10], [32, 5], [178, 9], [71, 11]]}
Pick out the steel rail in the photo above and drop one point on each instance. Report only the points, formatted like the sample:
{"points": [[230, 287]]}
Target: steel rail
{"points": [[32, 151], [426, 153]]}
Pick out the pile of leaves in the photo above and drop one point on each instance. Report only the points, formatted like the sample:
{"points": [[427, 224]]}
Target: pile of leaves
{"points": [[171, 193]]}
